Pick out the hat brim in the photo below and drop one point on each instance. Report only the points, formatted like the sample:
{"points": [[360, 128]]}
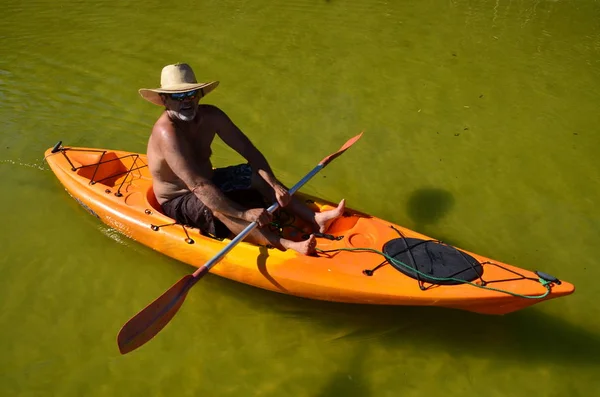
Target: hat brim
{"points": [[153, 94]]}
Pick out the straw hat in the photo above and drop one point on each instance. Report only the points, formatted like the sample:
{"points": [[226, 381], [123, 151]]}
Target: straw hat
{"points": [[176, 78]]}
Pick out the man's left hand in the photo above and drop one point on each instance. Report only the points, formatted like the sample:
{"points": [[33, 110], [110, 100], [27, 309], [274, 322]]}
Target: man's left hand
{"points": [[282, 195]]}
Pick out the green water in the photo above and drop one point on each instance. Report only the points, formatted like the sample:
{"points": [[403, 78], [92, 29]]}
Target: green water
{"points": [[481, 125]]}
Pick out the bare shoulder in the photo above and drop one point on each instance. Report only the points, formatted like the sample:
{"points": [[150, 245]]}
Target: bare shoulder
{"points": [[163, 126], [214, 114], [163, 131], [163, 134], [210, 110]]}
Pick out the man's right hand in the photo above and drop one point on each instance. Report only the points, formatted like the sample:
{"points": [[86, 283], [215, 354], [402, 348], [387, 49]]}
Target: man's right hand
{"points": [[258, 215]]}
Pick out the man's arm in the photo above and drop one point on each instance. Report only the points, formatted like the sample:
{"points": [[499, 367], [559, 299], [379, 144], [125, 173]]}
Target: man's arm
{"points": [[238, 141]]}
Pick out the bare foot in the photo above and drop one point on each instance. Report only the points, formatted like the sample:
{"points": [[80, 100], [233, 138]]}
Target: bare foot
{"points": [[306, 247], [324, 219]]}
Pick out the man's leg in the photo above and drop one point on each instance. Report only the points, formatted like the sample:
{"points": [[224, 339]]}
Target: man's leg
{"points": [[264, 236], [320, 221]]}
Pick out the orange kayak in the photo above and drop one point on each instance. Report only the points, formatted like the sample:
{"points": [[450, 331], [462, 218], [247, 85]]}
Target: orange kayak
{"points": [[361, 258]]}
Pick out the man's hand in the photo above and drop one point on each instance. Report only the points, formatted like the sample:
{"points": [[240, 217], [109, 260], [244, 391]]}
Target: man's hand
{"points": [[258, 215], [281, 195]]}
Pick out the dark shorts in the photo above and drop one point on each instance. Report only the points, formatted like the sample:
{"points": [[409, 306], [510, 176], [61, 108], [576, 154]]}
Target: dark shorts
{"points": [[234, 181]]}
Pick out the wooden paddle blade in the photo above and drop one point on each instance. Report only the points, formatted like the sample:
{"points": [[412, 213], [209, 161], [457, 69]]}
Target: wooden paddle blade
{"points": [[347, 145], [147, 323]]}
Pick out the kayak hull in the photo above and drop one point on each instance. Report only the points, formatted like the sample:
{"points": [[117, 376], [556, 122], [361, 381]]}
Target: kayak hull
{"points": [[116, 187]]}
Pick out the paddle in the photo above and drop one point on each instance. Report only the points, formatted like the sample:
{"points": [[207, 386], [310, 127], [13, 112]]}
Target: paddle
{"points": [[153, 318]]}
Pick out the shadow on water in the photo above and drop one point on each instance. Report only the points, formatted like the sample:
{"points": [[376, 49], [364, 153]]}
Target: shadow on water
{"points": [[529, 335], [427, 206]]}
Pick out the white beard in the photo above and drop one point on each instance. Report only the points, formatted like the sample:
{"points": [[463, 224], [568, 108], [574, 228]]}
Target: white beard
{"points": [[184, 117], [187, 116]]}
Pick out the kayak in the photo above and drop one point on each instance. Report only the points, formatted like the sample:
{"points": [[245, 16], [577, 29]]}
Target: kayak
{"points": [[360, 259]]}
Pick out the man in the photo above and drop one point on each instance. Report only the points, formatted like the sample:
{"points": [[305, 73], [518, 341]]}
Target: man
{"points": [[187, 187]]}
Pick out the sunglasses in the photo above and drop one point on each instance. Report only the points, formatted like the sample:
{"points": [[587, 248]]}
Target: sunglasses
{"points": [[184, 95]]}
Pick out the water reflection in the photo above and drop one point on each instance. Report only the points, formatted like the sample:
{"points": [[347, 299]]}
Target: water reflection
{"points": [[350, 380]]}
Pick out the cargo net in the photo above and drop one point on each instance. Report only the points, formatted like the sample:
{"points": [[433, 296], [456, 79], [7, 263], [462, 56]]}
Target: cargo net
{"points": [[432, 263], [103, 166]]}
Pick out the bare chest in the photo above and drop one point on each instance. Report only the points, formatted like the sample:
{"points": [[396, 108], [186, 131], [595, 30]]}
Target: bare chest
{"points": [[200, 143]]}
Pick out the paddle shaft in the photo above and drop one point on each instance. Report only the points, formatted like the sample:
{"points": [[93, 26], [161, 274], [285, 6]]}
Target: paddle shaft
{"points": [[148, 322], [217, 258]]}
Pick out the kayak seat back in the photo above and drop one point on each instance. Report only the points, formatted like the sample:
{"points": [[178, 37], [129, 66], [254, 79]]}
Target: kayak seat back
{"points": [[152, 201], [99, 167]]}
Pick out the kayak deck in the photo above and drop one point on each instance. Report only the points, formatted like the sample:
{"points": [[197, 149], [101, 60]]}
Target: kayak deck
{"points": [[351, 264]]}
